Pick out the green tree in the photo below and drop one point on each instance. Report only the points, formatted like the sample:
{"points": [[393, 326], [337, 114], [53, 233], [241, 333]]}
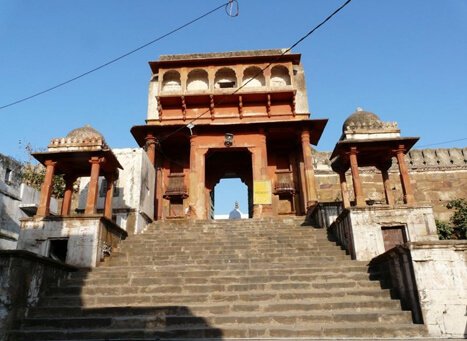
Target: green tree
{"points": [[457, 226]]}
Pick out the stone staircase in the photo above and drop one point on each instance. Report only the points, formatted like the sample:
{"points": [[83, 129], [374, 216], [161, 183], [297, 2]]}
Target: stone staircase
{"points": [[255, 279]]}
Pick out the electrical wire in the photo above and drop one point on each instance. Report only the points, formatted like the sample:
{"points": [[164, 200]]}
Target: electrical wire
{"points": [[264, 68], [443, 142], [224, 5]]}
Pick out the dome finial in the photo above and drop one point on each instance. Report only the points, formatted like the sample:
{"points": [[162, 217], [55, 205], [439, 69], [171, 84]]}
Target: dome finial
{"points": [[359, 109]]}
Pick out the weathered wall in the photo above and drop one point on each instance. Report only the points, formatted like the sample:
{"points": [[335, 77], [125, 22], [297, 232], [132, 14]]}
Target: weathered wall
{"points": [[82, 234], [367, 223], [430, 278], [437, 175], [23, 276], [441, 276], [10, 198]]}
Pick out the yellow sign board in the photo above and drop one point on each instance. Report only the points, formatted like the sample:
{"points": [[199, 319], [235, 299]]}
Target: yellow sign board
{"points": [[262, 193]]}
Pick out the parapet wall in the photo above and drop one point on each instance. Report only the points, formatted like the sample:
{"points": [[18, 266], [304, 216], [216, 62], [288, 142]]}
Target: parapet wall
{"points": [[437, 175]]}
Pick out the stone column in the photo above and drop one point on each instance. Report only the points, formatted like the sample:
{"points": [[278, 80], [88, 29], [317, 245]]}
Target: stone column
{"points": [[357, 185], [109, 191], [409, 198], [259, 163], [197, 189], [344, 190], [151, 152], [93, 186], [151, 148], [387, 187], [46, 191], [310, 195], [67, 196]]}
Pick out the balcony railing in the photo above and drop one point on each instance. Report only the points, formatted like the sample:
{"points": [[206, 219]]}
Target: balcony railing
{"points": [[284, 183], [176, 187]]}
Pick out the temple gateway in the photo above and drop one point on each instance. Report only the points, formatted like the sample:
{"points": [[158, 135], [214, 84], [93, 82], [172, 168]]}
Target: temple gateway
{"points": [[223, 115]]}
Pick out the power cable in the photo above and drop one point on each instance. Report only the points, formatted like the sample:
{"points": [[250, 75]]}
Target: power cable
{"points": [[443, 142], [262, 70], [233, 12]]}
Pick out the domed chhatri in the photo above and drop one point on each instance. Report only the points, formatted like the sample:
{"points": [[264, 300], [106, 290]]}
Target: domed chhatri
{"points": [[86, 132], [362, 118]]}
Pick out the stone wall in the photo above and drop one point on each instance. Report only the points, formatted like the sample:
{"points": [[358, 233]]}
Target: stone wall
{"points": [[365, 228], [23, 276], [430, 278], [87, 237], [437, 175], [441, 276]]}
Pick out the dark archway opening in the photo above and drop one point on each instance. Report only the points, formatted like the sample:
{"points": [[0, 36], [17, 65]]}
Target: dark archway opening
{"points": [[228, 163]]}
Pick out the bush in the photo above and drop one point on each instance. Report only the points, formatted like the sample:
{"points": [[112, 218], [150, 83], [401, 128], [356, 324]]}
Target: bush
{"points": [[457, 226]]}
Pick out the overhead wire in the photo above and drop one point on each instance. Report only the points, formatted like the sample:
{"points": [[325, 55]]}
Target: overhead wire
{"points": [[233, 11], [443, 142], [261, 70]]}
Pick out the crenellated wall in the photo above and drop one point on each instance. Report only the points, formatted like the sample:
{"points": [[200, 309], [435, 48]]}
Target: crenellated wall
{"points": [[437, 175]]}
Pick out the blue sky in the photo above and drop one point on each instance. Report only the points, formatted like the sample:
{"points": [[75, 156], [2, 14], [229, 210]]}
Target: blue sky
{"points": [[404, 60]]}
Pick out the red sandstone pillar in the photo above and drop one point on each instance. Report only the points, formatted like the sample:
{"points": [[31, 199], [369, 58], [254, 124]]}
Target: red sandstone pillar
{"points": [[387, 187], [344, 190], [93, 187], [68, 194], [404, 175], [151, 148], [311, 195], [357, 185], [108, 196], [151, 152], [46, 191]]}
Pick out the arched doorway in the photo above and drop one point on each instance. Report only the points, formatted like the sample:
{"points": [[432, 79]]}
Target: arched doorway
{"points": [[228, 163]]}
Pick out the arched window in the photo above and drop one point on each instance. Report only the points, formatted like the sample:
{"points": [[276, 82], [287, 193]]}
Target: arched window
{"points": [[171, 81], [198, 80], [253, 77], [280, 76], [225, 78]]}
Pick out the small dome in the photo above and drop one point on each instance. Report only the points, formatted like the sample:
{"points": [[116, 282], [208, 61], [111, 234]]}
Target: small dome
{"points": [[86, 132], [361, 117]]}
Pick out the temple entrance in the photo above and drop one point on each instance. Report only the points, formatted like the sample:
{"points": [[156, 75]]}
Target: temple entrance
{"points": [[228, 164]]}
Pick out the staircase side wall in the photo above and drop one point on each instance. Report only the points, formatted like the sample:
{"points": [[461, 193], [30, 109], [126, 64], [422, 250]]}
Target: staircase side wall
{"points": [[441, 276], [23, 276]]}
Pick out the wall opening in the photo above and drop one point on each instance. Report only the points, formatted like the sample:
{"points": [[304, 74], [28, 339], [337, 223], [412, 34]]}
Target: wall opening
{"points": [[58, 249], [228, 192], [229, 178]]}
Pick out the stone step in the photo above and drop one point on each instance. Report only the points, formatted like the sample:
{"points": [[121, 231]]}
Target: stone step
{"points": [[229, 263], [145, 286], [251, 301], [234, 269], [225, 302], [158, 279], [153, 259], [161, 320], [234, 330]]}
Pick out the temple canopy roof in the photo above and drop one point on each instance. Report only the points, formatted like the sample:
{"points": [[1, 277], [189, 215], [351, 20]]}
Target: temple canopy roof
{"points": [[74, 151], [374, 139]]}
